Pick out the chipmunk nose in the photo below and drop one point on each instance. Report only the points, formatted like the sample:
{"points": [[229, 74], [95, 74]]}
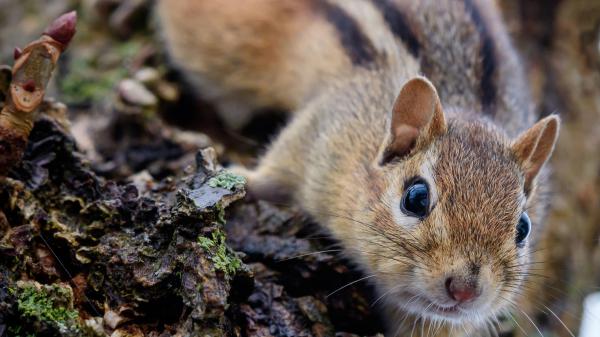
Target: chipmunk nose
{"points": [[461, 290]]}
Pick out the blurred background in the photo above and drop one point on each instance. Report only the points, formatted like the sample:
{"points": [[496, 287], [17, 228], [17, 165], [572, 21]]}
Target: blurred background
{"points": [[116, 65]]}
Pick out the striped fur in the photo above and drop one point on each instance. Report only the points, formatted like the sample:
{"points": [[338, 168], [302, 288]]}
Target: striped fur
{"points": [[397, 22], [356, 45], [339, 65], [461, 45]]}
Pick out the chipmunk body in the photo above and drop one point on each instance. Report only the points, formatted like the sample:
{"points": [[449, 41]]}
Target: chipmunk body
{"points": [[430, 183]]}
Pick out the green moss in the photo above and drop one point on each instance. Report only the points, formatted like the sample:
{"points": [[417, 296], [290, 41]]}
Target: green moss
{"points": [[225, 261], [205, 243], [83, 84], [227, 180], [47, 304], [223, 258], [15, 331], [89, 79], [220, 214]]}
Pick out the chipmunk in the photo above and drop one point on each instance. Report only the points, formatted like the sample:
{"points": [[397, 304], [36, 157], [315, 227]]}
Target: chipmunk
{"points": [[412, 140]]}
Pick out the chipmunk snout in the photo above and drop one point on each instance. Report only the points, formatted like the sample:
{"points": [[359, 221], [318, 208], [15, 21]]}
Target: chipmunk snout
{"points": [[462, 290]]}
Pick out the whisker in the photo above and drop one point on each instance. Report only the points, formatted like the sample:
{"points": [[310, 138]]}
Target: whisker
{"points": [[530, 320], [309, 254], [62, 265], [386, 293], [560, 320], [349, 284], [517, 323]]}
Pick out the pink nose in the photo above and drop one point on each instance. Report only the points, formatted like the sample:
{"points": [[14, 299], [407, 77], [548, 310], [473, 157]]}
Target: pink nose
{"points": [[461, 291]]}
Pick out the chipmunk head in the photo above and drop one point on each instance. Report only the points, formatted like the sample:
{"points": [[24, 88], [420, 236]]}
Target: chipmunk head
{"points": [[455, 215]]}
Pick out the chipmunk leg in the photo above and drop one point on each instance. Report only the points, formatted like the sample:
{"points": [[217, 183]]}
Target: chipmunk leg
{"points": [[281, 169], [265, 182]]}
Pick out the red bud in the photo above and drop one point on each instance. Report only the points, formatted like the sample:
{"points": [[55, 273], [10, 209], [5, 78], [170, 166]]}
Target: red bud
{"points": [[63, 28], [17, 53]]}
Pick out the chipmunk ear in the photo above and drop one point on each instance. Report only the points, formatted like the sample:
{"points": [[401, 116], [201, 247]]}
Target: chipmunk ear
{"points": [[534, 146], [417, 118]]}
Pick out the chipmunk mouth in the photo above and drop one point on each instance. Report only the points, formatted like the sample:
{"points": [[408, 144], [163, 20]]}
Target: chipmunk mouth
{"points": [[452, 310], [425, 307]]}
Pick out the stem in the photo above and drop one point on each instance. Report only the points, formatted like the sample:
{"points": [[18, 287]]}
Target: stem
{"points": [[31, 73]]}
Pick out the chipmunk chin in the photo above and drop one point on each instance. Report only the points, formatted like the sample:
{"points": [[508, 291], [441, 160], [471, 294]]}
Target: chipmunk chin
{"points": [[455, 314]]}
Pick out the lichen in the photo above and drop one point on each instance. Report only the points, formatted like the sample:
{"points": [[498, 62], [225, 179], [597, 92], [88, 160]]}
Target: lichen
{"points": [[222, 257], [227, 180]]}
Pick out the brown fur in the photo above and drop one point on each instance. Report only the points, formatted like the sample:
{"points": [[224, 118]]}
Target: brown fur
{"points": [[463, 143], [246, 55]]}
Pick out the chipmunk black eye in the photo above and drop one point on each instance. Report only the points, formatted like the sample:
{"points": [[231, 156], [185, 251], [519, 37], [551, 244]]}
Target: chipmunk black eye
{"points": [[415, 201], [523, 228]]}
